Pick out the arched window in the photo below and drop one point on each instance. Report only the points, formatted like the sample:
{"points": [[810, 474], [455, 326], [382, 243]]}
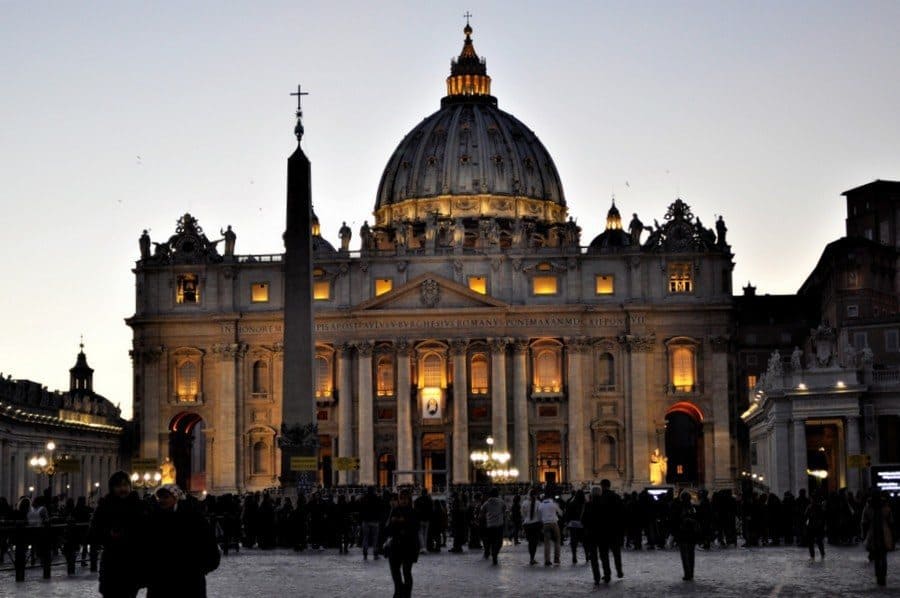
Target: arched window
{"points": [[432, 365], [260, 377], [479, 374], [606, 372], [260, 457], [683, 368], [187, 384], [607, 448], [323, 377], [384, 375], [546, 367]]}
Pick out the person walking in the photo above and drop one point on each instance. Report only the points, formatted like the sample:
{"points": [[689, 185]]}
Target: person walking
{"points": [[814, 521], [402, 544], [494, 510], [531, 523], [458, 520], [878, 522], [574, 513], [370, 514], [687, 530], [550, 512], [423, 507], [119, 525], [183, 548]]}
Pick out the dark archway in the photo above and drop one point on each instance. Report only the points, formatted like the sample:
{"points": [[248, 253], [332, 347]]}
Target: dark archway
{"points": [[187, 449], [684, 447]]}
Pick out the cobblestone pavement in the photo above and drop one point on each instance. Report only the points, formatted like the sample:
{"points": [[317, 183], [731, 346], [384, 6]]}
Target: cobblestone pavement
{"points": [[784, 571]]}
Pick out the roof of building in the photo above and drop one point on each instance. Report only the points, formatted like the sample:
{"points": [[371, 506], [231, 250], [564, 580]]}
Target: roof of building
{"points": [[876, 186]]}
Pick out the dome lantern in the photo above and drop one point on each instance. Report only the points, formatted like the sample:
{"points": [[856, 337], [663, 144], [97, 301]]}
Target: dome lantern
{"points": [[468, 73], [613, 218]]}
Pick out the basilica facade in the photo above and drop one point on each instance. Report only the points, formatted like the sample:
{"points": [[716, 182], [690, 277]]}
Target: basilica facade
{"points": [[470, 307]]}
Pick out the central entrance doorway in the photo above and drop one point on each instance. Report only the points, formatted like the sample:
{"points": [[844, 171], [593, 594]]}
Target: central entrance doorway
{"points": [[187, 449], [684, 445], [434, 457], [549, 457]]}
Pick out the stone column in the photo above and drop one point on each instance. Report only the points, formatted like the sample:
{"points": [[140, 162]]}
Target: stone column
{"points": [[851, 431], [404, 412], [721, 428], [366, 422], [460, 412], [579, 418], [154, 392], [224, 478], [498, 394], [345, 407], [779, 472], [521, 455], [638, 426], [800, 478]]}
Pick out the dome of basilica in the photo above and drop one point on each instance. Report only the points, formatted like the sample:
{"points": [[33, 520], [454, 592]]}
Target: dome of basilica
{"points": [[470, 159]]}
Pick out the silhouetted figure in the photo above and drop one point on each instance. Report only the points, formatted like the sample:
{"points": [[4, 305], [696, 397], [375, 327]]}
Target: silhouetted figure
{"points": [[879, 523], [687, 529]]}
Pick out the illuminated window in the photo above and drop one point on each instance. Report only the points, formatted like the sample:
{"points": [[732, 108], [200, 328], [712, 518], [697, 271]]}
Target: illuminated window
{"points": [[383, 285], [683, 369], [384, 375], [544, 267], [432, 366], [259, 292], [544, 285], [260, 377], [479, 374], [187, 382], [751, 382], [681, 278], [604, 284], [478, 284], [321, 290], [188, 290], [323, 377], [606, 371], [260, 457], [546, 371]]}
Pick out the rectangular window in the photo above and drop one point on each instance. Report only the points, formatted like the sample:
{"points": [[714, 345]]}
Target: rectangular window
{"points": [[321, 290], [860, 340], [681, 278], [852, 311], [604, 284], [322, 415], [478, 413], [891, 341], [383, 285], [548, 411], [544, 285], [188, 289], [751, 382], [478, 284], [259, 292], [683, 369], [385, 413], [884, 233]]}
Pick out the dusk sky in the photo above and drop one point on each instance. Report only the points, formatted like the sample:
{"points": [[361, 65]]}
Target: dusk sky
{"points": [[120, 116]]}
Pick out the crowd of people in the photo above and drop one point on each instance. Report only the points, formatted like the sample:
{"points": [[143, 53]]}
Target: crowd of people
{"points": [[184, 534]]}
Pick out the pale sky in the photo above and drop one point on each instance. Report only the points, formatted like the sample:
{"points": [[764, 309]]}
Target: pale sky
{"points": [[119, 116]]}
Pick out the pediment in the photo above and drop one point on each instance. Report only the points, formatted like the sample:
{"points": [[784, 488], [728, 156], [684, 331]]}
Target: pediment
{"points": [[430, 290]]}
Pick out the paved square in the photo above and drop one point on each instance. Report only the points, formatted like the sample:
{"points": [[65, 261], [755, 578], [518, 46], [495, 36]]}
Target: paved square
{"points": [[784, 571]]}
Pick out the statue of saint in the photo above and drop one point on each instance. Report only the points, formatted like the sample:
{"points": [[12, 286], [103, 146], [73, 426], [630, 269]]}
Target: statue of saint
{"points": [[493, 232], [345, 234], [635, 228], [659, 465], [796, 359], [144, 242], [230, 238], [167, 470], [365, 236], [721, 230]]}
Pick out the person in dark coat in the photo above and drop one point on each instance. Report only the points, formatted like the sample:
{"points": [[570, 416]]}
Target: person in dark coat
{"points": [[119, 525], [604, 530], [183, 548], [879, 539], [687, 530], [402, 544], [814, 521]]}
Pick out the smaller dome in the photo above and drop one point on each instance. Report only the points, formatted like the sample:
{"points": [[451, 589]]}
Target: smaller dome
{"points": [[614, 237], [613, 218]]}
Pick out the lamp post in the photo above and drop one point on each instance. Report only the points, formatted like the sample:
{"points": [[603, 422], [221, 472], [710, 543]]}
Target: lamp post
{"points": [[146, 480], [45, 465], [493, 463]]}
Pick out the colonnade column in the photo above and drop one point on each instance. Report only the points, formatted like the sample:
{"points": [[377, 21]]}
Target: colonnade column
{"points": [[851, 433], [366, 445], [460, 412], [224, 454], [404, 413], [724, 476], [639, 348], [498, 393], [345, 407], [800, 479], [579, 419], [521, 454]]}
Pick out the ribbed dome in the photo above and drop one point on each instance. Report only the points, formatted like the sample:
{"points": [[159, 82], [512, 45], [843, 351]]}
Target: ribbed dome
{"points": [[469, 147]]}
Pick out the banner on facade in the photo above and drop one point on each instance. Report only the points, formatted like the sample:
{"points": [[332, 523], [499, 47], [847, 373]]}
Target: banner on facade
{"points": [[142, 465], [859, 461], [346, 463], [304, 464], [65, 465]]}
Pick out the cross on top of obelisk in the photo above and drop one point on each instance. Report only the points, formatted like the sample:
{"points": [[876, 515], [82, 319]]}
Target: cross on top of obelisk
{"points": [[298, 130]]}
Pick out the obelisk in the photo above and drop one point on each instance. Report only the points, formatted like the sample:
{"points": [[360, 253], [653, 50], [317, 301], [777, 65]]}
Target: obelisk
{"points": [[298, 401]]}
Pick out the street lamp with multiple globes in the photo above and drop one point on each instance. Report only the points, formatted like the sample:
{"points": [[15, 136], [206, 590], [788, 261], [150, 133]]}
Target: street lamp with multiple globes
{"points": [[493, 463], [146, 480], [45, 465]]}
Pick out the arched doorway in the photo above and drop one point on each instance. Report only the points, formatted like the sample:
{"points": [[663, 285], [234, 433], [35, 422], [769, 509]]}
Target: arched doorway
{"points": [[684, 444], [187, 449], [434, 461], [386, 466]]}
